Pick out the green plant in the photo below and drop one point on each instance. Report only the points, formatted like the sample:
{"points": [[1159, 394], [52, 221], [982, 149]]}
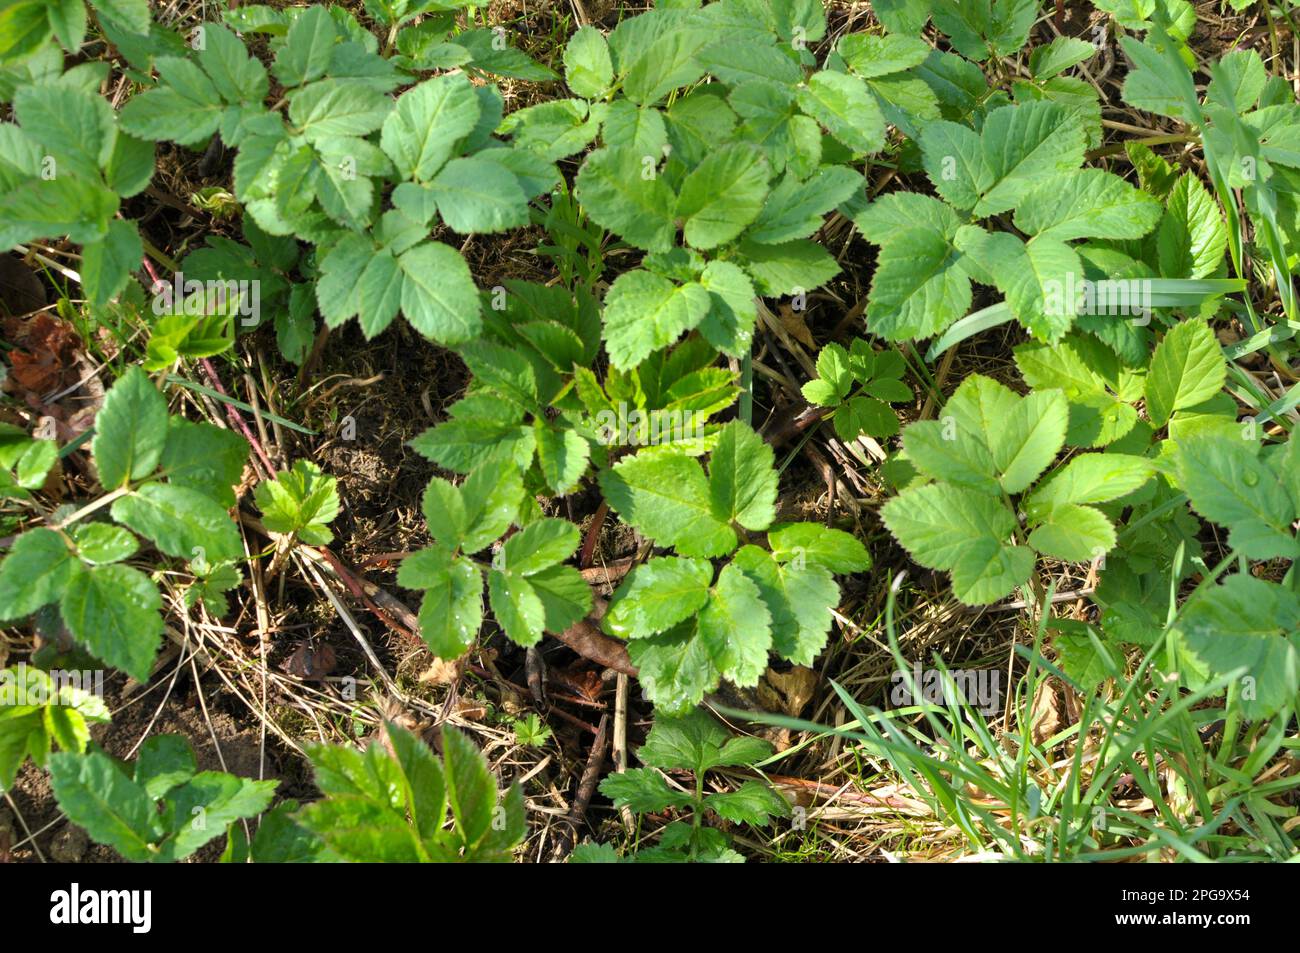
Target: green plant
{"points": [[859, 385], [530, 732], [694, 742], [38, 712], [392, 802], [163, 809], [300, 503], [989, 446], [167, 480], [688, 626]]}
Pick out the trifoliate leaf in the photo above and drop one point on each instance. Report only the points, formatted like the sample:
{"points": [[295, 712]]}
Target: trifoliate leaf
{"points": [[300, 501]]}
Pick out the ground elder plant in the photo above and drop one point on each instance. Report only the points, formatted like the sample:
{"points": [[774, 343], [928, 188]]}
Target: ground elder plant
{"points": [[738, 345]]}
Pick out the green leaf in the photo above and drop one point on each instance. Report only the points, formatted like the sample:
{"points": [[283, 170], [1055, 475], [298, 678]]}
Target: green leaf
{"points": [[307, 48], [751, 803], [787, 268], [562, 454], [846, 108], [221, 800], [1092, 478], [24, 29], [114, 611], [338, 107], [743, 478], [664, 64], [1087, 203], [800, 597], [452, 609], [96, 795], [1192, 236], [475, 194], [106, 265], [918, 288], [470, 786], [624, 194], [644, 791], [132, 15], [795, 208], [735, 627], [819, 545], [439, 297], [1041, 278], [674, 668], [1248, 623], [657, 595], [539, 545], [667, 498], [722, 195], [422, 131], [1187, 369], [1228, 484], [35, 573], [990, 438], [692, 742], [962, 531], [587, 66], [205, 458], [74, 127], [130, 430], [186, 110], [871, 56], [1073, 533], [729, 325], [1058, 56], [645, 312], [164, 762], [1019, 147], [102, 543], [300, 501], [182, 522]]}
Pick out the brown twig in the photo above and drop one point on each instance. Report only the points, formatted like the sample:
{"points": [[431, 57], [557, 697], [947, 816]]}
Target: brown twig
{"points": [[589, 642]]}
